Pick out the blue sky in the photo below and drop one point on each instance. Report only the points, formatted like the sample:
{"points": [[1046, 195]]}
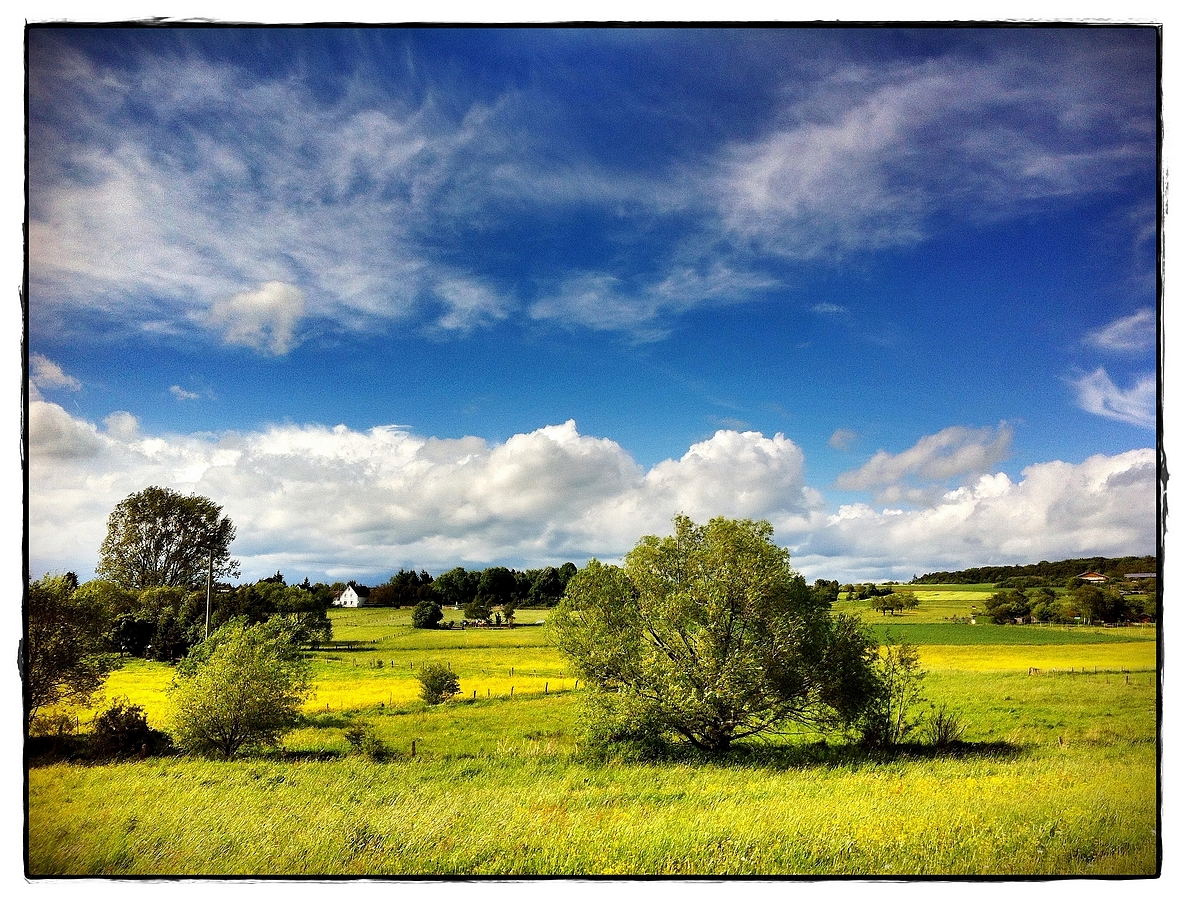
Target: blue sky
{"points": [[399, 297]]}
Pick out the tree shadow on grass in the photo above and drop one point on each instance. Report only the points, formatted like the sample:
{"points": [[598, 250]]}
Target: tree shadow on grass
{"points": [[329, 719], [833, 755], [819, 754]]}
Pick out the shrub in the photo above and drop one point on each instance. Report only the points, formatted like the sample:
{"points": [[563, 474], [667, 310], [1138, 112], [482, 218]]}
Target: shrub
{"points": [[426, 615], [622, 728], [944, 728], [362, 739], [61, 651], [437, 683], [122, 730], [888, 718], [240, 689]]}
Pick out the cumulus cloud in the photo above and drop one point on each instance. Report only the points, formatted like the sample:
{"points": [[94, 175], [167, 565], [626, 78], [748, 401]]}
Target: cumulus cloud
{"points": [[1130, 334], [47, 375], [54, 434], [264, 319], [1098, 394], [334, 500], [1104, 506], [954, 452]]}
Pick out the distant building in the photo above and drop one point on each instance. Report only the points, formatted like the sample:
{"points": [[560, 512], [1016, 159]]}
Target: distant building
{"points": [[353, 596], [1093, 578], [1133, 576]]}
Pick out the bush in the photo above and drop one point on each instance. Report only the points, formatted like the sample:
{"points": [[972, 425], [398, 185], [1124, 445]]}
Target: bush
{"points": [[437, 683], [888, 718], [241, 689], [944, 728], [122, 730], [362, 739], [426, 615]]}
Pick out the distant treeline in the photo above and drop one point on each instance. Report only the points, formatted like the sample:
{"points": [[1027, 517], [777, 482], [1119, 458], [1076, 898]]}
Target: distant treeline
{"points": [[460, 588], [1052, 573]]}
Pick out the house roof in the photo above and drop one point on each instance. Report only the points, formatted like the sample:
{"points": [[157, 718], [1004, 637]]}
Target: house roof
{"points": [[1095, 575], [359, 589], [1140, 575]]}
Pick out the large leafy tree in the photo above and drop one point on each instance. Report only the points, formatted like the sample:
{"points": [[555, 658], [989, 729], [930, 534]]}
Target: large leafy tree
{"points": [[710, 636], [240, 689], [497, 585], [158, 537], [457, 587], [62, 652]]}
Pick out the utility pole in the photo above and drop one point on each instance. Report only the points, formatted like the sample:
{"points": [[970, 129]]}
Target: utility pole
{"points": [[209, 587]]}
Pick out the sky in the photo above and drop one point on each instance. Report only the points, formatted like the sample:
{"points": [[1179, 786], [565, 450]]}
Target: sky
{"points": [[418, 298]]}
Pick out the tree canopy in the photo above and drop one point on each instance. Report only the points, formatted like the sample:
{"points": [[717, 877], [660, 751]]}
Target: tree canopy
{"points": [[62, 650], [160, 538], [710, 636], [426, 614], [240, 689]]}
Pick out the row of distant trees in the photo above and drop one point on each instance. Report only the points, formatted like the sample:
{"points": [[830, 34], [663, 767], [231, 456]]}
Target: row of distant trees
{"points": [[1044, 573], [1087, 603], [460, 587], [163, 622], [491, 594]]}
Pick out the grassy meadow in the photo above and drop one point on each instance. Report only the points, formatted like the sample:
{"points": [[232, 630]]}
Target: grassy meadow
{"points": [[1058, 775]]}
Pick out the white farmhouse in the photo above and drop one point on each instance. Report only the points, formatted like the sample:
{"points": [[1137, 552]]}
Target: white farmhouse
{"points": [[353, 596]]}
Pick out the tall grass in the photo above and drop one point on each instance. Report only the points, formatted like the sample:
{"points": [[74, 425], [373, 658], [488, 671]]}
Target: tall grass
{"points": [[1047, 812], [1056, 774]]}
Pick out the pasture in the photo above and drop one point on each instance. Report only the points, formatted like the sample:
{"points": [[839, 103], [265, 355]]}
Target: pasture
{"points": [[1058, 774]]}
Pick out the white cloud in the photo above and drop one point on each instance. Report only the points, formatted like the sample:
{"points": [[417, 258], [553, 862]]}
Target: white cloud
{"points": [[264, 319], [606, 303], [863, 157], [596, 301], [1098, 394], [150, 204], [954, 452], [828, 309], [842, 439], [469, 304], [48, 375], [317, 499], [56, 435], [1104, 506], [181, 394], [157, 219], [1131, 334], [334, 502]]}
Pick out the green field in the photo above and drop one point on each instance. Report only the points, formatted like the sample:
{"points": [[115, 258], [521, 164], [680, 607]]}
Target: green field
{"points": [[1058, 775]]}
